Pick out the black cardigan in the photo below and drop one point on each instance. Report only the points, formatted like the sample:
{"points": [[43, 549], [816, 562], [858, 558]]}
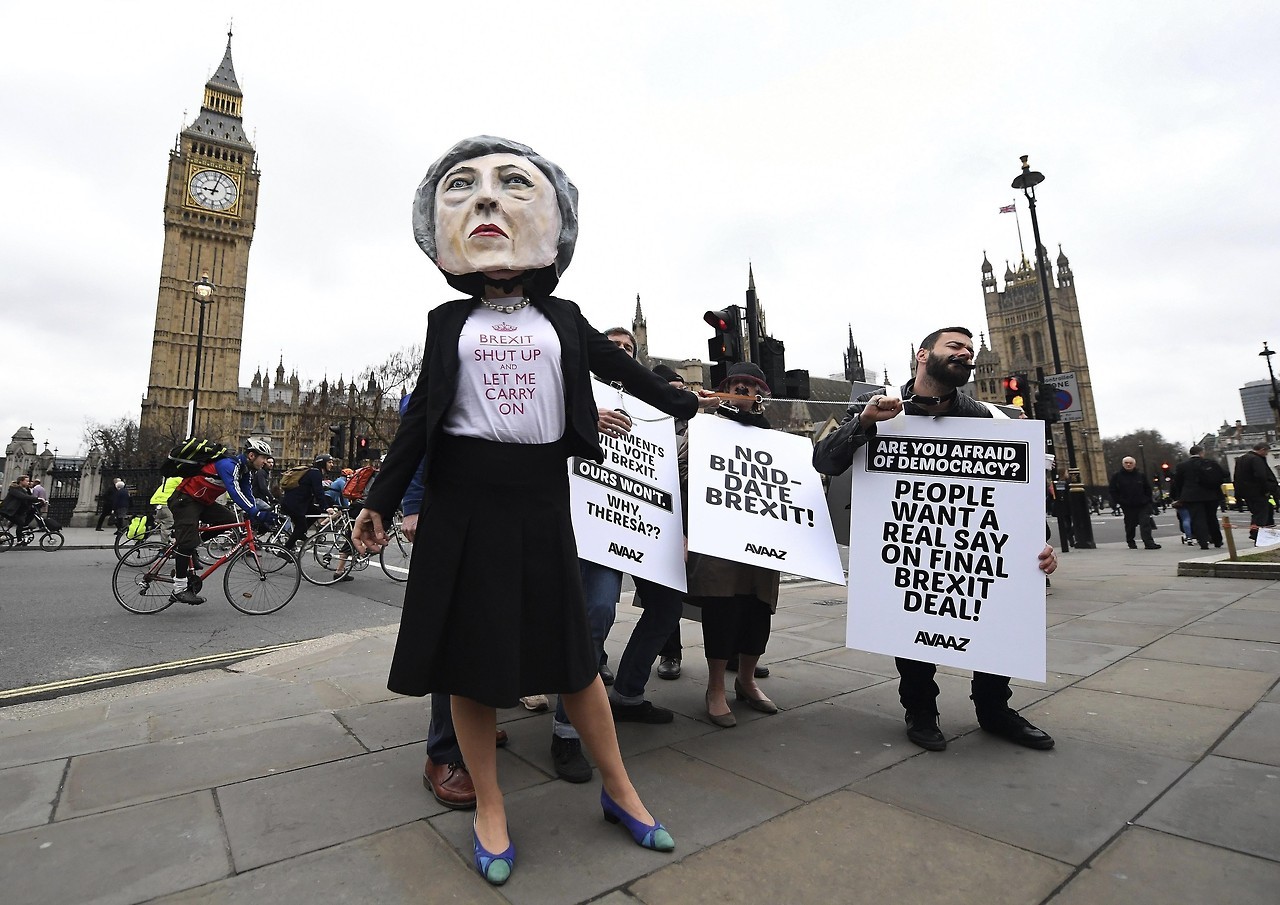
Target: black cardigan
{"points": [[583, 350]]}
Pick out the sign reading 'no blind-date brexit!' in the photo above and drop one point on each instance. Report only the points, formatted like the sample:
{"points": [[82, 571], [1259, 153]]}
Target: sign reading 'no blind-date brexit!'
{"points": [[626, 510], [755, 498], [947, 522]]}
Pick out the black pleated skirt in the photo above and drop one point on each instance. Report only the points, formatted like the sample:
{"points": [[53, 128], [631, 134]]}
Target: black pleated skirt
{"points": [[493, 608]]}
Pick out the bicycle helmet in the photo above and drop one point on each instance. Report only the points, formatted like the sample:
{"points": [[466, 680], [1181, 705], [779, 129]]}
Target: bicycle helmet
{"points": [[257, 445], [323, 458]]}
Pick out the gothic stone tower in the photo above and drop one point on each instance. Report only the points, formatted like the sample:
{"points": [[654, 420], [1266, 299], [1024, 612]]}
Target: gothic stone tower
{"points": [[1019, 333], [210, 205]]}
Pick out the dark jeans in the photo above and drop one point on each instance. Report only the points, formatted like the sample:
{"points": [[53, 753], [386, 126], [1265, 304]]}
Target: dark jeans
{"points": [[442, 741], [1204, 522], [1136, 517], [661, 617], [601, 587], [671, 647], [919, 692], [187, 515]]}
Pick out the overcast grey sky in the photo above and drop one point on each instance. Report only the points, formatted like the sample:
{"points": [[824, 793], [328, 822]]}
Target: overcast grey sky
{"points": [[855, 153]]}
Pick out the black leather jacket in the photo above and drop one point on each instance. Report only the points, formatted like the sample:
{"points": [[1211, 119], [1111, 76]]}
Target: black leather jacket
{"points": [[834, 453]]}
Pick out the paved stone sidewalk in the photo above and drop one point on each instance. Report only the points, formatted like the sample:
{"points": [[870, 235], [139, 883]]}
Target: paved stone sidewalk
{"points": [[295, 778]]}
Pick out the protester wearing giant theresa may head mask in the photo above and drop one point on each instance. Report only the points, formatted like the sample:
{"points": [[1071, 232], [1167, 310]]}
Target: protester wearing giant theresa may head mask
{"points": [[493, 607]]}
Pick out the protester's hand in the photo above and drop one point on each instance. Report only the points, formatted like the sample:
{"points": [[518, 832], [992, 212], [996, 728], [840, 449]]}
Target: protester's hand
{"points": [[707, 400], [367, 532], [880, 408], [1048, 560], [409, 527], [613, 423]]}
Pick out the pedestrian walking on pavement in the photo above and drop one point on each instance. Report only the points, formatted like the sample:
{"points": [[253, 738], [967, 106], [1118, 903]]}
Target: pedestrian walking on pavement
{"points": [[1197, 486], [1132, 490], [120, 501], [1256, 484]]}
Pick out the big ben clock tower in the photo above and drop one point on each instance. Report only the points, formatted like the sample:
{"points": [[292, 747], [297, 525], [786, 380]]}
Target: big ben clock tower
{"points": [[210, 205]]}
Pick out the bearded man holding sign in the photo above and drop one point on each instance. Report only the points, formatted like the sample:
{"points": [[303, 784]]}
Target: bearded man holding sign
{"points": [[944, 363]]}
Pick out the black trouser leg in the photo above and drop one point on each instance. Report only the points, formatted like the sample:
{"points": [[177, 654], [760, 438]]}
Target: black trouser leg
{"points": [[1131, 516], [990, 695], [1201, 516], [917, 690], [671, 648]]}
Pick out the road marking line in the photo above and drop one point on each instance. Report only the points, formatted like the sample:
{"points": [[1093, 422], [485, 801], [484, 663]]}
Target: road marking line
{"points": [[143, 670]]}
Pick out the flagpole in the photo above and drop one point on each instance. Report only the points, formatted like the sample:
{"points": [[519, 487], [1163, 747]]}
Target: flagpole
{"points": [[1018, 222]]}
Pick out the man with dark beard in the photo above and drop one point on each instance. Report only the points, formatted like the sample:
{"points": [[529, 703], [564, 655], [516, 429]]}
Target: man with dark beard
{"points": [[944, 362]]}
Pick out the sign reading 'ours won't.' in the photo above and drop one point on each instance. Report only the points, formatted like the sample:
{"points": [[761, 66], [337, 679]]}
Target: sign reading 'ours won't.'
{"points": [[947, 521], [626, 510]]}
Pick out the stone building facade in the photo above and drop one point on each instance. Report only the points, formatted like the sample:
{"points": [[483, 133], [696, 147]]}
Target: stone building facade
{"points": [[1017, 342]]}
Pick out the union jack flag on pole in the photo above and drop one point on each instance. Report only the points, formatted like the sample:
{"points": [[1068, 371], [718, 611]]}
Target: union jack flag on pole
{"points": [[1008, 209]]}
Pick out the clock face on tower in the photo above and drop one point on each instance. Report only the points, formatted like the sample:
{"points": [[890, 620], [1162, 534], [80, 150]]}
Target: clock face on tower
{"points": [[214, 190]]}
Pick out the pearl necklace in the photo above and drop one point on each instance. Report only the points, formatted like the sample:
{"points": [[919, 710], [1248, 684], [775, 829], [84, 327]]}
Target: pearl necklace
{"points": [[505, 309]]}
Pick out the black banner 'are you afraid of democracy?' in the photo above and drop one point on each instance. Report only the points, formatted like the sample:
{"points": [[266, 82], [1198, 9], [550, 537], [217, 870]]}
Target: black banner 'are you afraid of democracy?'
{"points": [[986, 460]]}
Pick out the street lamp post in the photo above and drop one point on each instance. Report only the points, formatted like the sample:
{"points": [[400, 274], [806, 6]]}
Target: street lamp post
{"points": [[1082, 528], [203, 289], [1275, 393]]}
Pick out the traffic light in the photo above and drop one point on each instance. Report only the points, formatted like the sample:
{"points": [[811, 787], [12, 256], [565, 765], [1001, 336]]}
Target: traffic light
{"points": [[1047, 403], [362, 447], [1164, 473], [726, 345], [1016, 390], [773, 361], [337, 440]]}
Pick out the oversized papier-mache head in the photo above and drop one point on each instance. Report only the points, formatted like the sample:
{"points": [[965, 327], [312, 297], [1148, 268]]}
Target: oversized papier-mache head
{"points": [[493, 210]]}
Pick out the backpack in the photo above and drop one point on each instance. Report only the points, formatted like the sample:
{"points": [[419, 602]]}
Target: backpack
{"points": [[293, 477], [354, 489], [1210, 475], [137, 527], [192, 454]]}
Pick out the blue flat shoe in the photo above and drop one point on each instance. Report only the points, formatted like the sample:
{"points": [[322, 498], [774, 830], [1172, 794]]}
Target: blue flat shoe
{"points": [[494, 868], [647, 835]]}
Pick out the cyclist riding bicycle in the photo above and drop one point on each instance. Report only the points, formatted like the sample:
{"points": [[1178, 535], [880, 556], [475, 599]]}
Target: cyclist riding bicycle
{"points": [[193, 502]]}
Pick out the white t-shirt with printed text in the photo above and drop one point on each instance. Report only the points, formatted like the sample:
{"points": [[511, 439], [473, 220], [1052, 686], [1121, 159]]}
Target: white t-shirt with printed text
{"points": [[510, 385]]}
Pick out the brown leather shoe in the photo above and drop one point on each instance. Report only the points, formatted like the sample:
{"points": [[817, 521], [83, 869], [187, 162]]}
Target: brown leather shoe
{"points": [[450, 784], [502, 739]]}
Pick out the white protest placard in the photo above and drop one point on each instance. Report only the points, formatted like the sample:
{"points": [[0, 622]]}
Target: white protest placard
{"points": [[1267, 537], [626, 511], [755, 498], [947, 522]]}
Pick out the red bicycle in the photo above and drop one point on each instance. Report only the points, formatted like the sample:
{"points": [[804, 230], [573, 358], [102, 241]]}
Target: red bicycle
{"points": [[260, 578]]}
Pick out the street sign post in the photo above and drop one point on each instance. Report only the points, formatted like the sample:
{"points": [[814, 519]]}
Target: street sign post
{"points": [[1067, 394]]}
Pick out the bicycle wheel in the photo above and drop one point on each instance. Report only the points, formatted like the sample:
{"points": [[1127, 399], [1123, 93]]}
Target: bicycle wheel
{"points": [[52, 540], [261, 581], [140, 590], [220, 545], [395, 557], [326, 557], [6, 541]]}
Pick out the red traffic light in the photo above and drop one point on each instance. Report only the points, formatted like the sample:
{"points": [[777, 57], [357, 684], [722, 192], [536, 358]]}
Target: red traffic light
{"points": [[716, 319]]}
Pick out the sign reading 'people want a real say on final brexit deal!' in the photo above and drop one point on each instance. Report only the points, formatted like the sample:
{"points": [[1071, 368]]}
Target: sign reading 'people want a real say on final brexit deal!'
{"points": [[947, 522]]}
